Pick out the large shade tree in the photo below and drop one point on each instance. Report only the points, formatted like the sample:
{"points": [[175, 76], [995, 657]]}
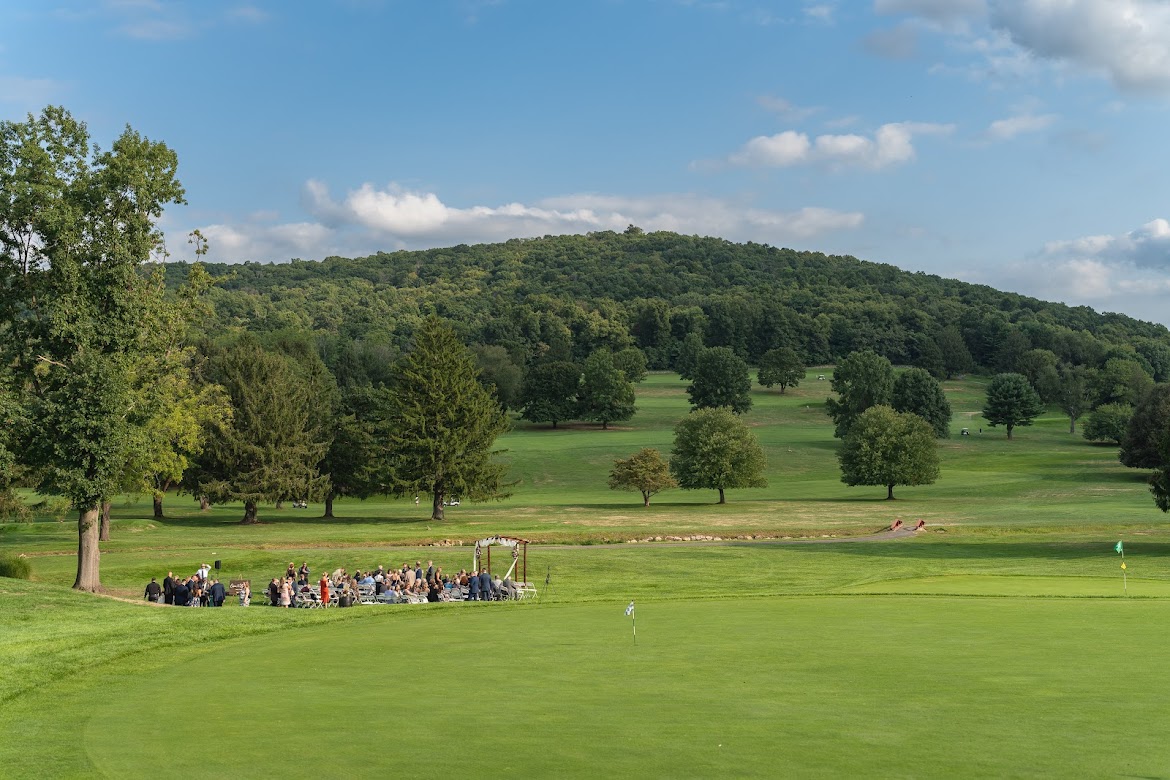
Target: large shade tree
{"points": [[917, 392], [781, 366], [889, 448], [1141, 445], [76, 225], [714, 450], [721, 378], [605, 394], [550, 390], [442, 424]]}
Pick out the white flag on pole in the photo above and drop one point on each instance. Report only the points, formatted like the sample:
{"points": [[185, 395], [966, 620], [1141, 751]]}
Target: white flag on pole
{"points": [[630, 609]]}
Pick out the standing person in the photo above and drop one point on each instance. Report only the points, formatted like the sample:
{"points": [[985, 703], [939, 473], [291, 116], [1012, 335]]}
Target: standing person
{"points": [[274, 592], [305, 570], [485, 585], [324, 585], [286, 593], [153, 591], [218, 593], [473, 587], [181, 596], [203, 572], [169, 588], [291, 572], [245, 594], [430, 570]]}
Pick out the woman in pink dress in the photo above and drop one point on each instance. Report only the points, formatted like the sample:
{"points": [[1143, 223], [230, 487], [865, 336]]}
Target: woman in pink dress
{"points": [[285, 594]]}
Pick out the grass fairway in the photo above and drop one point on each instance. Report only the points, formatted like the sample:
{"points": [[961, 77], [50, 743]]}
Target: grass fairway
{"points": [[808, 686]]}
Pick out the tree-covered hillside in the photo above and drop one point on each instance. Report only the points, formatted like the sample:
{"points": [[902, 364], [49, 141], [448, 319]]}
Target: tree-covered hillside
{"points": [[565, 296]]}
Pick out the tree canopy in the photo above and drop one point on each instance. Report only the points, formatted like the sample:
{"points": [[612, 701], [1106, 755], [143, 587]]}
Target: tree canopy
{"points": [[1011, 402], [781, 366], [605, 395], [645, 471], [862, 380], [889, 448], [917, 392], [714, 450], [721, 379]]}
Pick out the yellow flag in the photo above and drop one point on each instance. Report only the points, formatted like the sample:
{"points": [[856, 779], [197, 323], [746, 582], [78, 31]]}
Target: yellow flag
{"points": [[1123, 564]]}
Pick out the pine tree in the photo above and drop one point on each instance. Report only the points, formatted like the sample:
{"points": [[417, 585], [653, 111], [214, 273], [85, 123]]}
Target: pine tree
{"points": [[917, 392], [1011, 402], [442, 423]]}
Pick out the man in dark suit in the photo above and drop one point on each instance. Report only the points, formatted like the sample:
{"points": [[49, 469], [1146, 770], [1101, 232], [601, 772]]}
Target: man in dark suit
{"points": [[182, 596], [430, 570], [218, 593], [153, 591], [169, 588], [473, 587], [485, 586]]}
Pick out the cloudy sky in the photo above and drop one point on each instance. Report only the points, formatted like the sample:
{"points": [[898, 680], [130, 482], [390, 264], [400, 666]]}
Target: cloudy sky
{"points": [[1018, 143]]}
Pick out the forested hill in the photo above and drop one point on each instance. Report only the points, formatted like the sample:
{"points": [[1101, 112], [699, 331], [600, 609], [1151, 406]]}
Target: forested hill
{"points": [[565, 296]]}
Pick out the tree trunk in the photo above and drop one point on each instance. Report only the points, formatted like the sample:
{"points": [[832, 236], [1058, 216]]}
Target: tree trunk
{"points": [[204, 504], [104, 533], [554, 422], [279, 503], [1072, 424], [605, 425], [249, 513], [722, 498], [329, 505], [437, 506], [88, 553], [889, 492], [645, 498], [158, 510], [1009, 432]]}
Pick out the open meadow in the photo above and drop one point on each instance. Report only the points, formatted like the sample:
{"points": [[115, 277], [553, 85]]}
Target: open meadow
{"points": [[996, 643]]}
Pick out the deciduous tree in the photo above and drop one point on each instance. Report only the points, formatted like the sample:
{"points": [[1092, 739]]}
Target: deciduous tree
{"points": [[863, 379], [605, 394], [1141, 447], [889, 448], [714, 450], [917, 392], [781, 366], [1108, 422], [645, 471], [550, 392], [721, 378]]}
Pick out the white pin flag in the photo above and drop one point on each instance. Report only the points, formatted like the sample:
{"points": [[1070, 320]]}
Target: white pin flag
{"points": [[630, 609]]}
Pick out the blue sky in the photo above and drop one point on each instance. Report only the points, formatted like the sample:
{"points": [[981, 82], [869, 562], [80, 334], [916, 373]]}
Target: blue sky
{"points": [[1018, 143]]}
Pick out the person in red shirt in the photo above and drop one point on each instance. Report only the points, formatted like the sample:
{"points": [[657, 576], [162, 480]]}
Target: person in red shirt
{"points": [[324, 590]]}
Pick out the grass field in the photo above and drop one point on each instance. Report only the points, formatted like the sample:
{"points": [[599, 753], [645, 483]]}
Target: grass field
{"points": [[998, 643]]}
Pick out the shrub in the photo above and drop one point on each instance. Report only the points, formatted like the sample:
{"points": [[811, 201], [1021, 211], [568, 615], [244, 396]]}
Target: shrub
{"points": [[16, 568]]}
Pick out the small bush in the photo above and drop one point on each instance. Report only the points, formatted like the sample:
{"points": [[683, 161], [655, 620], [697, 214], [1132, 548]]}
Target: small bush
{"points": [[16, 568]]}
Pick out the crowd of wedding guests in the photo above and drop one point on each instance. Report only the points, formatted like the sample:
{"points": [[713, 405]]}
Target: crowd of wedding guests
{"points": [[408, 584], [198, 590]]}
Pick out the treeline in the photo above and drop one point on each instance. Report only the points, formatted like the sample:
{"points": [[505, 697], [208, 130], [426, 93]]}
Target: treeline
{"points": [[561, 298]]}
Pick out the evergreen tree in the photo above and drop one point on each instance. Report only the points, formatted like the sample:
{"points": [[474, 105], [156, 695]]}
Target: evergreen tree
{"points": [[550, 392], [442, 424], [1141, 447], [272, 447], [917, 392], [956, 356], [605, 394], [1011, 402], [721, 378], [888, 448], [644, 471], [781, 366], [714, 450], [863, 379]]}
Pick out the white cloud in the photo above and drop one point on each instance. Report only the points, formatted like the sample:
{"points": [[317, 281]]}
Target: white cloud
{"points": [[368, 219], [1146, 247], [890, 145], [822, 13], [1010, 127], [895, 43], [1128, 40]]}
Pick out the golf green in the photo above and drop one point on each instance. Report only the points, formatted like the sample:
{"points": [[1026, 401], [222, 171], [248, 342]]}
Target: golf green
{"points": [[808, 686]]}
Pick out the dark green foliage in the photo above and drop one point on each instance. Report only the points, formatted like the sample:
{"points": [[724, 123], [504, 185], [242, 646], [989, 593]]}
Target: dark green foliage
{"points": [[888, 448], [1108, 422], [550, 392], [631, 362], [14, 567], [714, 450], [917, 392], [605, 395], [1040, 366], [721, 378], [956, 356], [862, 380], [500, 374], [1011, 402], [925, 354], [1122, 381], [1141, 446], [442, 424], [1075, 393], [273, 446], [687, 360], [781, 366]]}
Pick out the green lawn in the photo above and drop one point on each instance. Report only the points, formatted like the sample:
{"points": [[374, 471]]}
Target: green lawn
{"points": [[998, 643]]}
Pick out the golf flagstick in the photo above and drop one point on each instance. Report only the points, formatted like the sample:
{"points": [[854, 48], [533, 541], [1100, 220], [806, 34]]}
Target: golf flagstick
{"points": [[1124, 582], [633, 621]]}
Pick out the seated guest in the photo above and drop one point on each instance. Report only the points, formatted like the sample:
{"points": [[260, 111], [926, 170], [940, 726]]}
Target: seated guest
{"points": [[153, 591], [367, 580], [433, 591]]}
